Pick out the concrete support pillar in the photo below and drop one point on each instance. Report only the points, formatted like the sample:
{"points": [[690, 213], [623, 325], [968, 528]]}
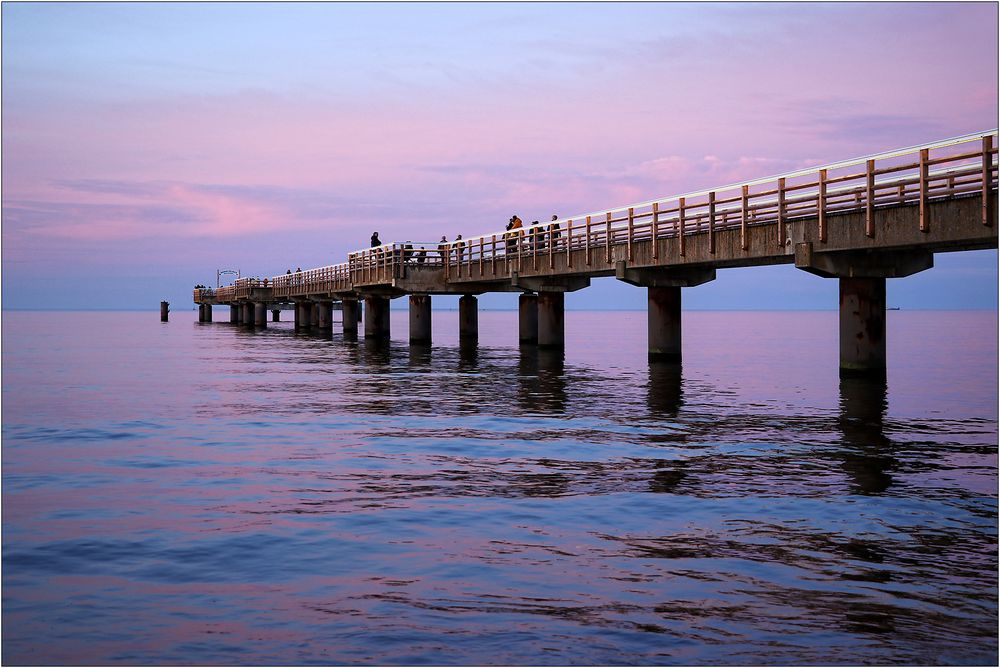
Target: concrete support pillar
{"points": [[248, 314], [303, 314], [275, 315], [314, 315], [527, 319], [325, 310], [468, 317], [349, 316], [551, 319], [420, 319], [664, 324], [208, 312], [260, 314], [297, 315], [164, 311], [862, 327], [376, 317], [201, 313], [234, 314]]}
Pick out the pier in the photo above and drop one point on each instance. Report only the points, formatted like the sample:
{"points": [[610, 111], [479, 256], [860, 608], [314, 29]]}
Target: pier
{"points": [[859, 221]]}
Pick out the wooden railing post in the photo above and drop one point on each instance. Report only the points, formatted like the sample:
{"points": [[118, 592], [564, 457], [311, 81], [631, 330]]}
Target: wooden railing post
{"points": [[569, 243], [656, 227], [481, 254], [924, 222], [588, 241], [493, 254], [552, 247], [781, 213], [711, 222], [680, 226], [744, 244], [987, 178], [821, 205], [870, 198], [631, 216], [608, 238]]}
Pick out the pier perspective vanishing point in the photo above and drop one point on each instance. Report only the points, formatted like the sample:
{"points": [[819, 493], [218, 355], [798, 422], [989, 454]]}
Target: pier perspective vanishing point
{"points": [[860, 221]]}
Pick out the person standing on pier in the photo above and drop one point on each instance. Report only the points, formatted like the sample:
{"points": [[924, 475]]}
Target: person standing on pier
{"points": [[554, 232], [443, 249], [516, 231], [458, 248], [375, 240]]}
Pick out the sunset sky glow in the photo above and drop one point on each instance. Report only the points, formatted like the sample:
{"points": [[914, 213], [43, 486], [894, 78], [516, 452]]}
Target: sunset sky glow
{"points": [[147, 145]]}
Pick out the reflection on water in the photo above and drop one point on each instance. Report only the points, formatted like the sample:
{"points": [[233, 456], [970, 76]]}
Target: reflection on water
{"points": [[249, 497], [868, 456]]}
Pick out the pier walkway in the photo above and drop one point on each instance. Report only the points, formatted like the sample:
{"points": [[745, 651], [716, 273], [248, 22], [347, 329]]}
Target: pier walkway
{"points": [[860, 221]]}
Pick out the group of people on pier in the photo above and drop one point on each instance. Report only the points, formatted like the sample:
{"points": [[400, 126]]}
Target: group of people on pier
{"points": [[516, 238]]}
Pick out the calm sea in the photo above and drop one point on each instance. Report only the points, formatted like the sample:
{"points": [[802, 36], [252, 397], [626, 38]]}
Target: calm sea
{"points": [[177, 493]]}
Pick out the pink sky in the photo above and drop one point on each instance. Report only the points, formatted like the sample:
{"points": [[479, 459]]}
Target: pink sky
{"points": [[161, 142]]}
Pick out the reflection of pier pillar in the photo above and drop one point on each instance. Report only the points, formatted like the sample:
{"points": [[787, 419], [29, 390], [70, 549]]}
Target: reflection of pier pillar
{"points": [[664, 324], [862, 326], [376, 317], [234, 314], [349, 316], [551, 319], [468, 317], [420, 319], [275, 315], [260, 314], [325, 312], [527, 318]]}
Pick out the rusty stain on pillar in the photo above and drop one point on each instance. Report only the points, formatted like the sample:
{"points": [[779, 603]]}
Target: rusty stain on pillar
{"points": [[377, 318], [349, 316], [664, 323], [527, 319], [551, 319], [275, 315], [420, 318], [468, 317], [862, 327], [260, 314]]}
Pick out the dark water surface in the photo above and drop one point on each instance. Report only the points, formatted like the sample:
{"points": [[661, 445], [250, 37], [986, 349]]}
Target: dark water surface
{"points": [[200, 494]]}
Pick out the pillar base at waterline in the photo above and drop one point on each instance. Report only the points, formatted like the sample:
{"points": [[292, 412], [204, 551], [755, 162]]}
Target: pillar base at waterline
{"points": [[862, 328], [420, 319], [468, 318], [551, 319], [325, 312], [664, 324], [527, 319], [377, 318], [349, 317]]}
